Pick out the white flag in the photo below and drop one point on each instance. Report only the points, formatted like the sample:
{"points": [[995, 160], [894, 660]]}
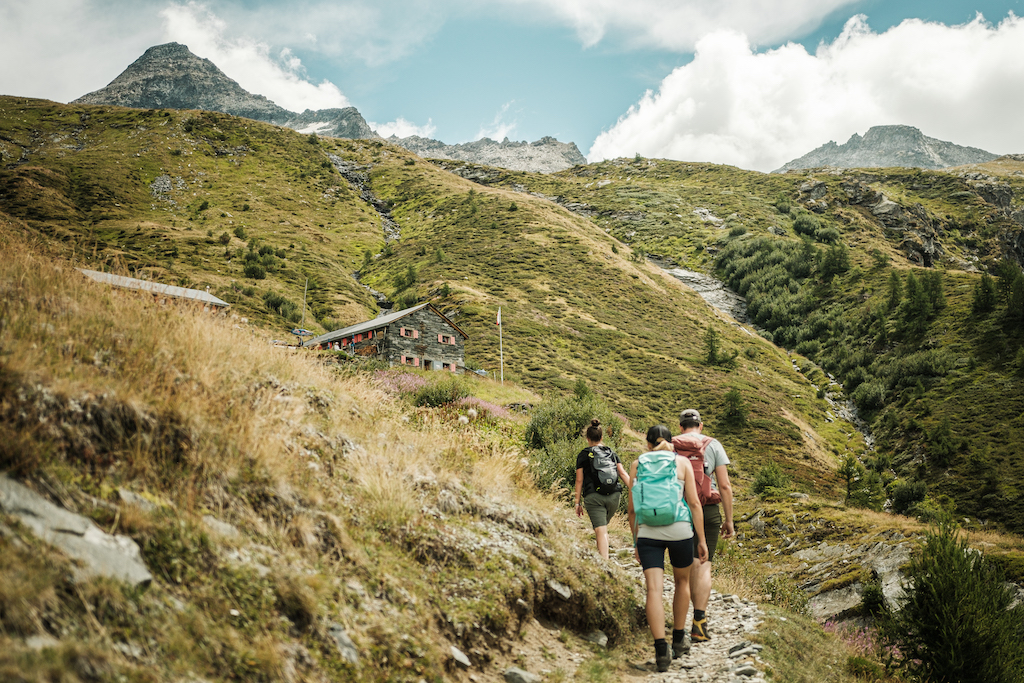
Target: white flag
{"points": [[499, 316]]}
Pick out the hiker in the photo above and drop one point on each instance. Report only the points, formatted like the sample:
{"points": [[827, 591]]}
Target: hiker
{"points": [[708, 459], [665, 513], [598, 471]]}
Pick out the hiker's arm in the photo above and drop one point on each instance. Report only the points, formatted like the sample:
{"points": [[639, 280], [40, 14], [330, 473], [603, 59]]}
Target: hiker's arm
{"points": [[725, 489], [631, 512], [622, 474], [579, 491], [696, 510]]}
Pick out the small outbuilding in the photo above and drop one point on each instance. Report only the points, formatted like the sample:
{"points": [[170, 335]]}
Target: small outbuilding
{"points": [[160, 292], [421, 337]]}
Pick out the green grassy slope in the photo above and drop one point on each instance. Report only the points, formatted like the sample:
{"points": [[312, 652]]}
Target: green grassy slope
{"points": [[940, 382], [574, 304]]}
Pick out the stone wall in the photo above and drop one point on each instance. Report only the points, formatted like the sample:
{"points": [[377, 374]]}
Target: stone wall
{"points": [[424, 345]]}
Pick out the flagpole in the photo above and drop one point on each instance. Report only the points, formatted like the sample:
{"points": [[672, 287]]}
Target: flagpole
{"points": [[501, 349]]}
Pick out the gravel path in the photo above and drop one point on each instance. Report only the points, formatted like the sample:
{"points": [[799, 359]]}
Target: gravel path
{"points": [[729, 657]]}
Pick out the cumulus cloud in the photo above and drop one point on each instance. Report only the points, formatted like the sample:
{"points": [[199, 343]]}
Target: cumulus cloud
{"points": [[678, 24], [499, 128], [403, 129], [278, 76], [734, 105]]}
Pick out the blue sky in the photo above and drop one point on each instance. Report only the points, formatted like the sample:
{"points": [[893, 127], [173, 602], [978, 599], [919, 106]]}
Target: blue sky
{"points": [[748, 82]]}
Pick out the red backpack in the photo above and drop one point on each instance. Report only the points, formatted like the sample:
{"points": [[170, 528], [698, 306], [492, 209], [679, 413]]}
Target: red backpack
{"points": [[691, 447]]}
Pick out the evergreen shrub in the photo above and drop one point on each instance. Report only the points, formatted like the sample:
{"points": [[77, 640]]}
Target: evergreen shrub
{"points": [[958, 620]]}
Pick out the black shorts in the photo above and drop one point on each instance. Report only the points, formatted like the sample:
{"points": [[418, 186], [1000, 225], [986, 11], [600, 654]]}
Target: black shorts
{"points": [[712, 528], [652, 552]]}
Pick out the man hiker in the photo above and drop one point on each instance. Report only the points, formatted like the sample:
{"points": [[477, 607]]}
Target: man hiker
{"points": [[708, 457]]}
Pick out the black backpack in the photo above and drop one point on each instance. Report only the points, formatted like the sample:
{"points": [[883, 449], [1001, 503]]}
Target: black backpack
{"points": [[606, 474]]}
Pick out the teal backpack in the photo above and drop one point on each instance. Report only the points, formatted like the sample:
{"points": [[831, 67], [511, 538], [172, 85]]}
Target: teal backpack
{"points": [[658, 492]]}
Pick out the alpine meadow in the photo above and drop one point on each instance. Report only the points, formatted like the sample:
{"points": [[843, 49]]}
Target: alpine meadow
{"points": [[309, 515]]}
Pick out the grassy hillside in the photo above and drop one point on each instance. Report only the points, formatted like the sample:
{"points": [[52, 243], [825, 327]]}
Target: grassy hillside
{"points": [[869, 274], [575, 304]]}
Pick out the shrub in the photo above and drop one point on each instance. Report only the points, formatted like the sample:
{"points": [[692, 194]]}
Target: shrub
{"points": [[224, 238], [240, 232], [563, 419], [255, 271], [735, 412], [956, 622], [770, 480], [441, 392], [906, 494], [806, 224]]}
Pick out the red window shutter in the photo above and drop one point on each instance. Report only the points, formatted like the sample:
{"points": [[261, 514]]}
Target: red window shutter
{"points": [[345, 341], [416, 362], [440, 339], [415, 334], [369, 335], [403, 360]]}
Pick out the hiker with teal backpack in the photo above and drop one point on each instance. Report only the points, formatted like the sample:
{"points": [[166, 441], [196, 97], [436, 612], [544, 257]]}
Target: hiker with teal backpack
{"points": [[598, 471], [665, 514]]}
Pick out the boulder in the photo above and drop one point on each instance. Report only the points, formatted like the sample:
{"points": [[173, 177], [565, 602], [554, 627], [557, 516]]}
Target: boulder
{"points": [[97, 552]]}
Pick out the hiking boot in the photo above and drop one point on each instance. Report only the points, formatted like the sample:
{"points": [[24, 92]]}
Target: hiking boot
{"points": [[662, 656], [699, 631], [681, 648]]}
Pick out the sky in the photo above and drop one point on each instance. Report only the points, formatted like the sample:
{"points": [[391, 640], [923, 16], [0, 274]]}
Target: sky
{"points": [[751, 83]]}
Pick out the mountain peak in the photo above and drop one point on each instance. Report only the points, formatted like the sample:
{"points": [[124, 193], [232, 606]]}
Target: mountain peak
{"points": [[170, 76], [891, 145]]}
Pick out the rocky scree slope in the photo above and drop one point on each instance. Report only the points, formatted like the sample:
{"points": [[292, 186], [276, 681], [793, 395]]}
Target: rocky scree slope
{"points": [[886, 146], [546, 155]]}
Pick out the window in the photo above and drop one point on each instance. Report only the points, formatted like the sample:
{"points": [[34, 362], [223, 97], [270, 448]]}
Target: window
{"points": [[408, 332], [358, 338], [345, 341], [411, 360]]}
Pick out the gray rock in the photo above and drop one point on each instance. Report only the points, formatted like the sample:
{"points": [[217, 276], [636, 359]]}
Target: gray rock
{"points": [[517, 675], [746, 670], [836, 602], [598, 638], [346, 648], [546, 155], [41, 641], [99, 553], [562, 591], [460, 658], [219, 527], [132, 498]]}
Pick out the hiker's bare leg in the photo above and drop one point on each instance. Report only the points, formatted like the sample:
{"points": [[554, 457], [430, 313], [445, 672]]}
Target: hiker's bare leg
{"points": [[602, 540], [681, 596], [700, 584], [655, 578]]}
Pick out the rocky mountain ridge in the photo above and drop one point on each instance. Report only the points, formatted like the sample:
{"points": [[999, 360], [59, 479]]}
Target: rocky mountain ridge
{"points": [[885, 146], [170, 76], [546, 155]]}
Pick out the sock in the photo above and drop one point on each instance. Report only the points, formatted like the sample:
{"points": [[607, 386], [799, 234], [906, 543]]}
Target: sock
{"points": [[678, 636], [660, 645], [698, 614]]}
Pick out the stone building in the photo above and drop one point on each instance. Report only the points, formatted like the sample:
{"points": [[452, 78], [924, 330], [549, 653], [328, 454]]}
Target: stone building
{"points": [[421, 337]]}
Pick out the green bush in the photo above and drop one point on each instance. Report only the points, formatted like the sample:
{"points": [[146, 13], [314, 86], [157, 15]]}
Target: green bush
{"points": [[441, 392], [956, 622], [239, 232], [806, 224], [906, 494], [735, 412], [255, 271], [564, 419], [224, 238], [770, 480]]}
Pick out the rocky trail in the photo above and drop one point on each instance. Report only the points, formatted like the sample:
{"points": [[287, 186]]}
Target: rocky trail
{"points": [[729, 657]]}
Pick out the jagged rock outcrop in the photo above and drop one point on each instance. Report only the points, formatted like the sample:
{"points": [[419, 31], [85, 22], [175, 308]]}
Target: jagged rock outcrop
{"points": [[884, 146], [335, 123], [546, 155], [169, 76]]}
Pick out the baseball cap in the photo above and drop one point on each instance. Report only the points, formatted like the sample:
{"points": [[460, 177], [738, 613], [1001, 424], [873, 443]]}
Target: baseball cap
{"points": [[690, 415]]}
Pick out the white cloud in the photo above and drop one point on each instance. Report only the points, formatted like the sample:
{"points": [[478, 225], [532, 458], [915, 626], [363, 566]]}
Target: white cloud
{"points": [[732, 105], [678, 24], [499, 128], [280, 78], [403, 129]]}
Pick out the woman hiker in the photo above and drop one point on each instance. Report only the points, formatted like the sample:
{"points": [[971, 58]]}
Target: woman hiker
{"points": [[598, 471], [653, 534]]}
